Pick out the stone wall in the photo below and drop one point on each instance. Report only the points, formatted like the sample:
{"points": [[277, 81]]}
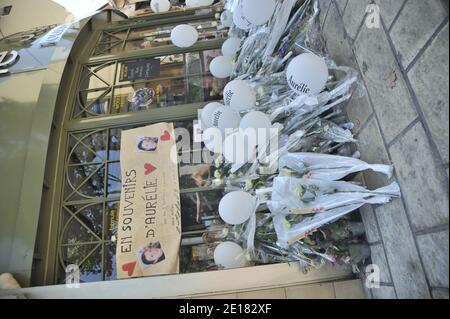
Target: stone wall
{"points": [[402, 120]]}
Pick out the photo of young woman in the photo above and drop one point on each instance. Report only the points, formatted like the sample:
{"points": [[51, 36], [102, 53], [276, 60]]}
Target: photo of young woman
{"points": [[147, 144], [151, 255]]}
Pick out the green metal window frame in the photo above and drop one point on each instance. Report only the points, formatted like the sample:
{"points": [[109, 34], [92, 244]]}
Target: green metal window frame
{"points": [[109, 87], [53, 203], [129, 28]]}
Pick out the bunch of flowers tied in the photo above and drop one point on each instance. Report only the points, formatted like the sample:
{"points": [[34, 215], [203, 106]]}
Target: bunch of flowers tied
{"points": [[303, 202]]}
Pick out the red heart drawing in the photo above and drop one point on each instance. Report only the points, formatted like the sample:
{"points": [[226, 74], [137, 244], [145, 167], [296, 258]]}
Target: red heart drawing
{"points": [[129, 268], [149, 168], [165, 136]]}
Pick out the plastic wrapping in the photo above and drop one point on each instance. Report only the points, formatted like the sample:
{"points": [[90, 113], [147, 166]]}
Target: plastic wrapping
{"points": [[308, 196], [304, 106], [328, 167], [250, 57], [278, 27], [250, 230], [289, 234], [306, 37], [298, 182]]}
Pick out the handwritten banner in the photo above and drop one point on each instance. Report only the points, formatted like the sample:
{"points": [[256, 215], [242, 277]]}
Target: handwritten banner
{"points": [[149, 229]]}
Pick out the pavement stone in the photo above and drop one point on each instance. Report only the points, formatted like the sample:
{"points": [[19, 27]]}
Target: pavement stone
{"points": [[406, 269], [384, 292], [371, 146], [423, 182], [387, 88], [341, 4], [379, 259], [389, 10], [429, 79], [336, 39], [354, 15], [417, 22], [434, 251], [370, 223], [445, 4], [323, 5], [418, 165], [348, 290], [440, 294], [358, 110], [368, 216]]}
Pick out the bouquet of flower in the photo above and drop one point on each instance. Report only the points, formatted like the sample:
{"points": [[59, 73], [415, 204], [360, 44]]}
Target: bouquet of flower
{"points": [[302, 207]]}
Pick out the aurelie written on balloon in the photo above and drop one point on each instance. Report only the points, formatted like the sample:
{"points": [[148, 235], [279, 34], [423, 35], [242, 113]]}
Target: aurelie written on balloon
{"points": [[239, 95], [184, 36], [225, 118], [307, 74], [207, 114]]}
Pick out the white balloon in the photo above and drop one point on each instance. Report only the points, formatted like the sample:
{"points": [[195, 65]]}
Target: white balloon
{"points": [[307, 74], [240, 20], [207, 113], [258, 12], [239, 95], [160, 5], [198, 3], [184, 36], [255, 120], [231, 46], [221, 67], [239, 148], [225, 118], [236, 208], [226, 18], [229, 255], [213, 139], [258, 124]]}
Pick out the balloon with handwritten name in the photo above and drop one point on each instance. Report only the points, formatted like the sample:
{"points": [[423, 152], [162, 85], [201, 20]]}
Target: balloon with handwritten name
{"points": [[307, 74]]}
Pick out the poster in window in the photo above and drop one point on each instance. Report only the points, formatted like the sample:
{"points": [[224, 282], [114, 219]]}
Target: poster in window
{"points": [[140, 69], [149, 227], [120, 104]]}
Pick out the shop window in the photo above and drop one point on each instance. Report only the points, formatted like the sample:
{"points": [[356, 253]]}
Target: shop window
{"points": [[89, 214], [143, 84], [199, 206], [90, 185]]}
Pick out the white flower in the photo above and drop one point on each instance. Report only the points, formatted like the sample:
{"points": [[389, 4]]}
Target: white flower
{"points": [[218, 161], [286, 224]]}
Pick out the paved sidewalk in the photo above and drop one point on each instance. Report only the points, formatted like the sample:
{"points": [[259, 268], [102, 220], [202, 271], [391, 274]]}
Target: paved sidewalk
{"points": [[403, 120]]}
